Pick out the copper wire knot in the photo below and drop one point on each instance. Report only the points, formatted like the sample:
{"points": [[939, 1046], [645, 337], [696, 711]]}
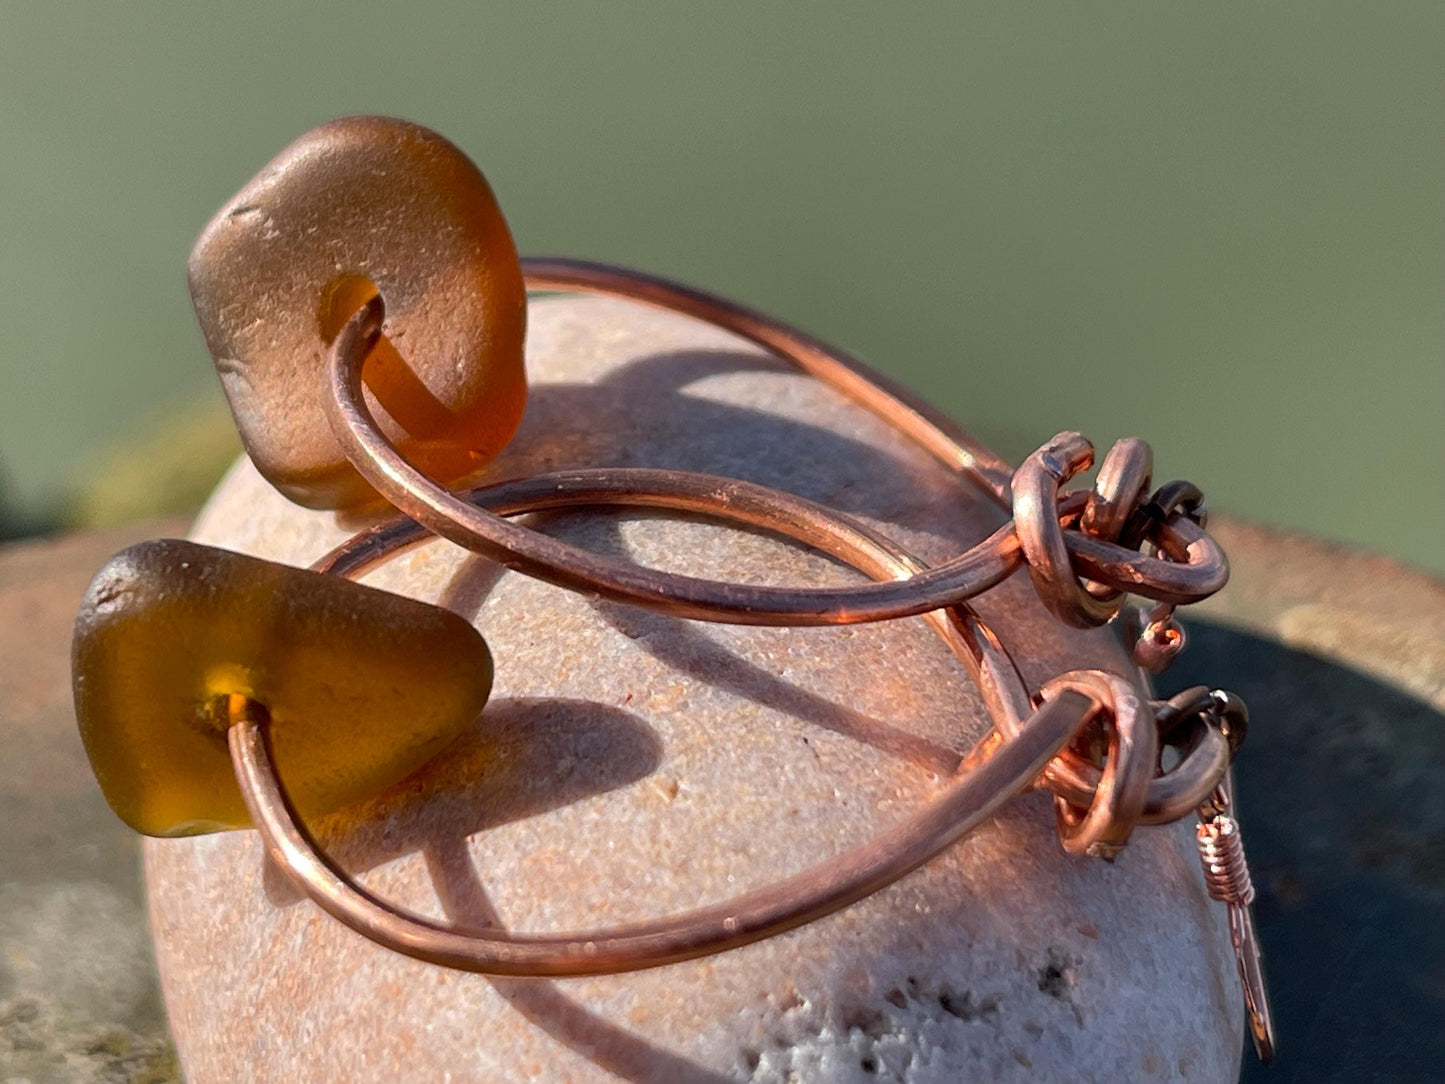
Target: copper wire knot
{"points": [[1112, 777], [1084, 552]]}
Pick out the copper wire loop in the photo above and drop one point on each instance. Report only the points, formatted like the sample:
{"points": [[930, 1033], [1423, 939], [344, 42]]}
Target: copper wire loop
{"points": [[1188, 722], [1194, 569], [974, 793], [1036, 518], [1103, 827], [1123, 477]]}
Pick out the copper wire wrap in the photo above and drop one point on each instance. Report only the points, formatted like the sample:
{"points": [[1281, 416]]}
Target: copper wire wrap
{"points": [[1084, 551], [1102, 828], [1227, 877], [1226, 874]]}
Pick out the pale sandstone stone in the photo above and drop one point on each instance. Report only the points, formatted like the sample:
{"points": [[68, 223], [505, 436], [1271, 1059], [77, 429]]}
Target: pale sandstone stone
{"points": [[631, 765]]}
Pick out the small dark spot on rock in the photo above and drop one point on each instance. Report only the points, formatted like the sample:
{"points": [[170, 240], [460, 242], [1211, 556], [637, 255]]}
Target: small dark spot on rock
{"points": [[954, 1005], [113, 1043], [20, 1012], [964, 1007], [1033, 1029], [1023, 1059], [752, 1059], [868, 1063], [896, 997], [1059, 975]]}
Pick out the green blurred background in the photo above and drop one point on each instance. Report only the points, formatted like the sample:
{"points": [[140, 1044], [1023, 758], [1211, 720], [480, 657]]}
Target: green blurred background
{"points": [[1217, 226]]}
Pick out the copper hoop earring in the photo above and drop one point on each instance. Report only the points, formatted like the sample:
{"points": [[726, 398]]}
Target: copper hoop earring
{"points": [[292, 324], [984, 784]]}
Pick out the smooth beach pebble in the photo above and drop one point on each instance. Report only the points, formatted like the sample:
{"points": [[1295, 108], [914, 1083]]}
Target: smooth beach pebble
{"points": [[631, 765]]}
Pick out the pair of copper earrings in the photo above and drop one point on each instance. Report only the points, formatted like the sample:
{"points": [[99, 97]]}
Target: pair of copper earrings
{"points": [[366, 309]]}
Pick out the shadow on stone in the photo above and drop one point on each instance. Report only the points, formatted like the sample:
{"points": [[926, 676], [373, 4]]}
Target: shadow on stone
{"points": [[682, 647], [543, 1002], [1344, 816], [623, 421], [523, 757]]}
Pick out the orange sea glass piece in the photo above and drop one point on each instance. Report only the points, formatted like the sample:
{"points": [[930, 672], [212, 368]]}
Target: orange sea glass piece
{"points": [[361, 686], [354, 207]]}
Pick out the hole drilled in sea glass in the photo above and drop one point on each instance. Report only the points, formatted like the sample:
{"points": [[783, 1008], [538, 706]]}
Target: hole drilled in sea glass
{"points": [[355, 206], [394, 386]]}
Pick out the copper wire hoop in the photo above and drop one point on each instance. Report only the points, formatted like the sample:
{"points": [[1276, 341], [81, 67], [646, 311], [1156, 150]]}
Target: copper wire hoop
{"points": [[1076, 546], [1172, 794], [997, 771], [1196, 567]]}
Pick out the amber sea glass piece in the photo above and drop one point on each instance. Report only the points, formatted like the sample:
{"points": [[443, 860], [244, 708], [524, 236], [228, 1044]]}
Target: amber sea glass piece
{"points": [[357, 206], [361, 686]]}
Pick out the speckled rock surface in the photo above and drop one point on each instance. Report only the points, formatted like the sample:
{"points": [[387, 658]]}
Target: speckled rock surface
{"points": [[78, 995], [632, 765]]}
